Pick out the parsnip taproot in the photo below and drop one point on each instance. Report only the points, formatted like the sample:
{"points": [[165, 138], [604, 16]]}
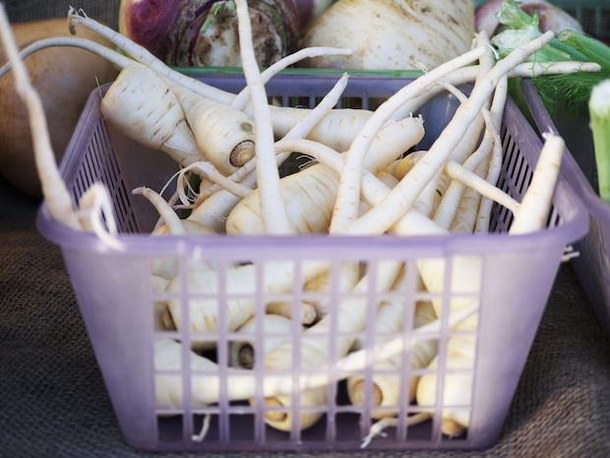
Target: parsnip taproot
{"points": [[310, 194]]}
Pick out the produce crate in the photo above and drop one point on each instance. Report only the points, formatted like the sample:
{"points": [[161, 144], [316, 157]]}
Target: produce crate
{"points": [[117, 301], [592, 266]]}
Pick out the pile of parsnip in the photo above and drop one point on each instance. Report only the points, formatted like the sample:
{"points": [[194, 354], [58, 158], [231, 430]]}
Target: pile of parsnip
{"points": [[361, 183]]}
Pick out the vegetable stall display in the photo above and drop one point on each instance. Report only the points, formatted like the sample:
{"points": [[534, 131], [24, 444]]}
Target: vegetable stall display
{"points": [[359, 186]]}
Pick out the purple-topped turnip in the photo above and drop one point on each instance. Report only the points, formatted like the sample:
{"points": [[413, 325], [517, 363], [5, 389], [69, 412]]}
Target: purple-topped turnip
{"points": [[204, 32]]}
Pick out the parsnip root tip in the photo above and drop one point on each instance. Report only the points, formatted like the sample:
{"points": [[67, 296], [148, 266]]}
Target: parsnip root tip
{"points": [[274, 416], [242, 153], [451, 428], [246, 356], [358, 397], [205, 427]]}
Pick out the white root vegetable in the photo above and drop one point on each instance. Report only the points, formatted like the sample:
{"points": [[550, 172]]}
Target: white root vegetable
{"points": [[348, 194], [171, 222], [423, 32], [460, 353], [117, 59], [242, 384], [273, 210], [446, 212], [53, 188], [310, 193], [142, 106], [206, 170], [142, 55], [95, 215], [495, 161], [171, 119], [533, 211], [301, 129], [403, 165], [172, 225], [402, 197], [466, 216], [213, 211], [285, 387], [309, 202], [462, 174], [240, 101], [530, 215], [387, 376], [314, 352], [275, 329], [306, 312], [224, 134], [241, 285], [283, 118]]}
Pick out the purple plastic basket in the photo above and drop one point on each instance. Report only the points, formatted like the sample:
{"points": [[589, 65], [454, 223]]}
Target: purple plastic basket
{"points": [[115, 295], [592, 266]]}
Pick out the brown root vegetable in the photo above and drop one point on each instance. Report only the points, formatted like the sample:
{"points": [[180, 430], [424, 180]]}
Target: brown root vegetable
{"points": [[64, 77]]}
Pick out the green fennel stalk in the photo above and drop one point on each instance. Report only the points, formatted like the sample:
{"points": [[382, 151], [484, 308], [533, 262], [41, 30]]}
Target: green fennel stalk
{"points": [[599, 112], [568, 92]]}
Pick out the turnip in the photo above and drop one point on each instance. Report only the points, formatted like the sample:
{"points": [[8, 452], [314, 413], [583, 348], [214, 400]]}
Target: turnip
{"points": [[392, 34], [204, 32], [310, 10]]}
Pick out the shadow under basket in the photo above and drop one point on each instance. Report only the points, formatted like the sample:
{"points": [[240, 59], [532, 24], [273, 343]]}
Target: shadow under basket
{"points": [[511, 276], [592, 266]]}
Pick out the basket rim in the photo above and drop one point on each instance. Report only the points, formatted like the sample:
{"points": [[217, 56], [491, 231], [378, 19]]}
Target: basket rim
{"points": [[454, 243], [569, 231]]}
